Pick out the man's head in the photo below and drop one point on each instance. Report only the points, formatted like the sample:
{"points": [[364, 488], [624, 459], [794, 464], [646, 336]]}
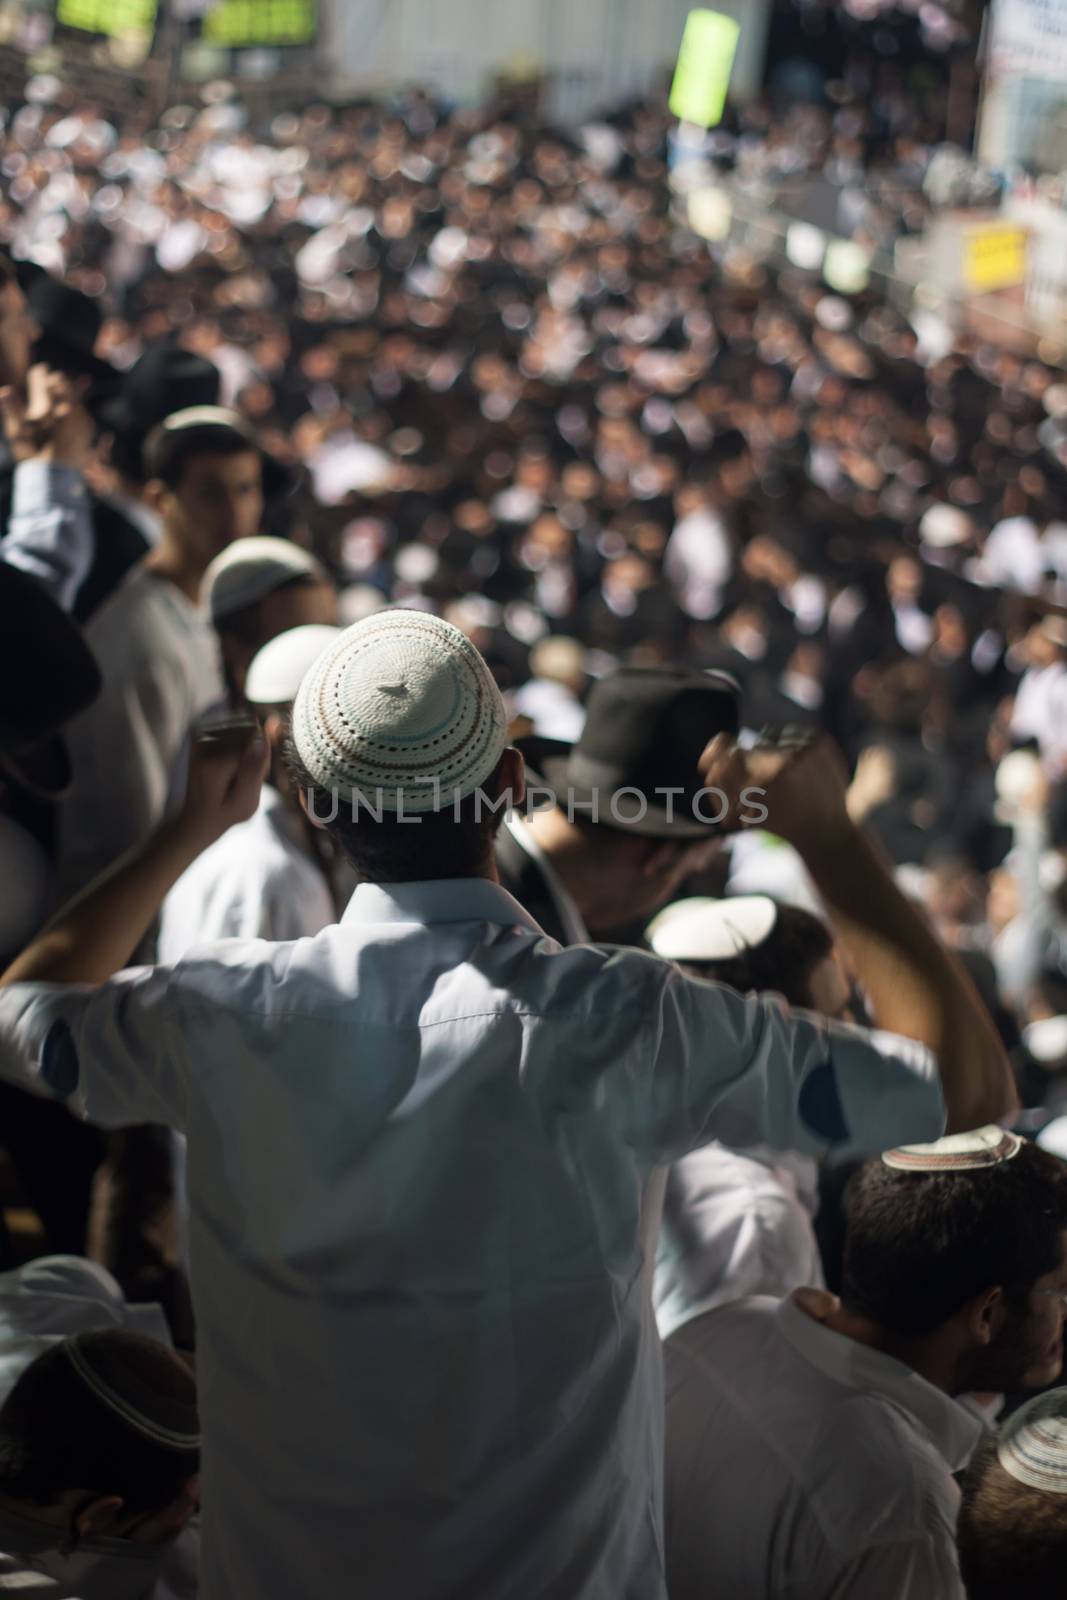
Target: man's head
{"points": [[399, 749], [1012, 1528], [959, 1249], [633, 819], [271, 686], [205, 478], [754, 943], [100, 1438], [261, 587], [18, 330]]}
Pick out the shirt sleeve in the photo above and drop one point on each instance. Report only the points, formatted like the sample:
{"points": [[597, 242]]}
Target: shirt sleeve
{"points": [[50, 530], [106, 1051], [744, 1069]]}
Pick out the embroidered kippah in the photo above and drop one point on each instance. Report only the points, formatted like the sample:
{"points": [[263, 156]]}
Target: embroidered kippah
{"points": [[959, 1152], [1033, 1443], [403, 712]]}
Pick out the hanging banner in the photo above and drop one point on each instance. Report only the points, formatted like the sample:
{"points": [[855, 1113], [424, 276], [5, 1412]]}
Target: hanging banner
{"points": [[705, 61], [1029, 39], [241, 24], [118, 19]]}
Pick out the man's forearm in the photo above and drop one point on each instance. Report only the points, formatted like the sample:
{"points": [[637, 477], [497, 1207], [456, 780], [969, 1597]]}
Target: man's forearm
{"points": [[96, 934], [915, 986]]}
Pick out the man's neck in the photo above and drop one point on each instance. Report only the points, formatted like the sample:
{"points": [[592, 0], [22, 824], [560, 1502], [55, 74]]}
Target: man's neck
{"points": [[571, 859], [56, 1516], [927, 1357], [168, 561]]}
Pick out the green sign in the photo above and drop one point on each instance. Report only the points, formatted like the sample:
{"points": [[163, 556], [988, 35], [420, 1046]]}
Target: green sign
{"points": [[240, 23], [117, 18], [705, 61]]}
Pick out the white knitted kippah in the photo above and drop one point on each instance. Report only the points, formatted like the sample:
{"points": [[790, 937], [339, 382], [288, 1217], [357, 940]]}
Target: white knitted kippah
{"points": [[401, 711], [1033, 1443]]}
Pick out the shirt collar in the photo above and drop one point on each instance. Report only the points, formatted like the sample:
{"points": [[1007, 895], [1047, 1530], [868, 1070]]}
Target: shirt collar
{"points": [[440, 900], [953, 1432]]}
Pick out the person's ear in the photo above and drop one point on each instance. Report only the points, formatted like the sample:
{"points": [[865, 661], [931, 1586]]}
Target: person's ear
{"points": [[657, 857], [157, 496], [276, 730], [984, 1315], [512, 776], [99, 1517]]}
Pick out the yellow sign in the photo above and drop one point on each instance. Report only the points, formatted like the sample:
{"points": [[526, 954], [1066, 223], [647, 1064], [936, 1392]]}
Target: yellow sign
{"points": [[117, 18], [260, 22], [994, 257], [705, 61]]}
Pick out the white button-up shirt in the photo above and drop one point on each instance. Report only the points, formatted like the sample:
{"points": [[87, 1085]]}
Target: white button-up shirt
{"points": [[803, 1465], [256, 882], [417, 1150], [735, 1223]]}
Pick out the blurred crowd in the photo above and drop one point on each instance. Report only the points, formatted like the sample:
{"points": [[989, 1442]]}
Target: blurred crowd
{"points": [[260, 381]]}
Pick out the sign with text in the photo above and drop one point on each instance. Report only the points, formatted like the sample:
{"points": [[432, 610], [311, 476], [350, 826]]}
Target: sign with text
{"points": [[1029, 39], [994, 257]]}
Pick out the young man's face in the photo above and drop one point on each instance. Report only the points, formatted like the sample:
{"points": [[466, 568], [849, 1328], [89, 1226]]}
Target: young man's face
{"points": [[1029, 1352], [17, 334], [219, 499]]}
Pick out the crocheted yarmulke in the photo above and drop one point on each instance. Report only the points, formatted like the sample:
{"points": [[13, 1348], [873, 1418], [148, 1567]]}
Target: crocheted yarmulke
{"points": [[1033, 1443], [402, 712], [957, 1152]]}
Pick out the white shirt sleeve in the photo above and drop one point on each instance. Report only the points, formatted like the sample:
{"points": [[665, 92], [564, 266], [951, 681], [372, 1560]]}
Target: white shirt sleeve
{"points": [[744, 1070], [109, 1053]]}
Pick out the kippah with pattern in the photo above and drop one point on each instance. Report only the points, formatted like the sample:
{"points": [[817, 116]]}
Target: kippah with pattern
{"points": [[401, 711], [1033, 1443]]}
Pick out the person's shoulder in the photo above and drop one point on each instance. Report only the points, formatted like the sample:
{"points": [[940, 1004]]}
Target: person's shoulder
{"points": [[875, 1475]]}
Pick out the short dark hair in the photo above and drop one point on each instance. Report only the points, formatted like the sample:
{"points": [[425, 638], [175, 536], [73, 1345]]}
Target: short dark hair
{"points": [[247, 624], [784, 961], [920, 1245], [455, 841], [1012, 1537], [57, 1435], [167, 453]]}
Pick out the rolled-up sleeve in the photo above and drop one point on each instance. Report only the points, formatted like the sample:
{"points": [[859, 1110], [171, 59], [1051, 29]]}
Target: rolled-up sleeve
{"points": [[108, 1052], [50, 532], [745, 1070]]}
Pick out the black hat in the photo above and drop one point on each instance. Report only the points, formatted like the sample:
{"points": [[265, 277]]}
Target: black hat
{"points": [[183, 433], [165, 379], [47, 676], [70, 324], [645, 730]]}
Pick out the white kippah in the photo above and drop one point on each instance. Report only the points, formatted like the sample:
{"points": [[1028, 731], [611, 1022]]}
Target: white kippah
{"points": [[277, 670], [250, 569], [1033, 1443], [712, 930], [958, 1152], [401, 711]]}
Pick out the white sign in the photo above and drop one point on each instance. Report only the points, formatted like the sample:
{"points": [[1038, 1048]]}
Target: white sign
{"points": [[1029, 39]]}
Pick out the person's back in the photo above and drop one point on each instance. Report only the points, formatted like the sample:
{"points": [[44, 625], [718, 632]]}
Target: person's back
{"points": [[456, 1281], [792, 1468]]}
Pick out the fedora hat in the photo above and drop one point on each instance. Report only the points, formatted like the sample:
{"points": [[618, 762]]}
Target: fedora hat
{"points": [[164, 379], [70, 324], [47, 676], [644, 733]]}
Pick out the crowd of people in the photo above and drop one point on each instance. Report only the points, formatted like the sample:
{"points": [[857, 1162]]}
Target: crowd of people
{"points": [[532, 806]]}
